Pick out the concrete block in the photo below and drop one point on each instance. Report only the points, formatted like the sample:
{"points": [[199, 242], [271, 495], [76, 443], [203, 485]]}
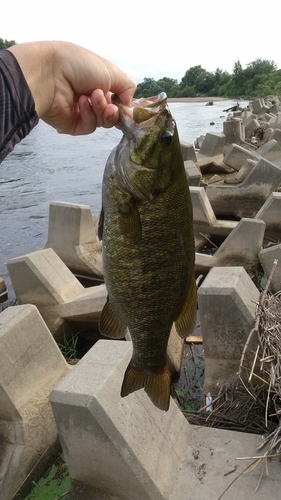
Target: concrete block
{"points": [[240, 248], [203, 213], [204, 219], [246, 198], [199, 141], [211, 465], [251, 127], [41, 276], [233, 130], [214, 164], [175, 350], [116, 448], [247, 116], [276, 135], [188, 152], [267, 257], [267, 116], [72, 235], [227, 300], [277, 121], [243, 244], [246, 168], [192, 172], [213, 144], [257, 106], [236, 156], [274, 108], [31, 365], [270, 214], [268, 134], [271, 151], [42, 279]]}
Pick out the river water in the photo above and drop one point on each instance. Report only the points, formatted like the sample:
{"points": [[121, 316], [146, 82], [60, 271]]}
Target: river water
{"points": [[47, 167]]}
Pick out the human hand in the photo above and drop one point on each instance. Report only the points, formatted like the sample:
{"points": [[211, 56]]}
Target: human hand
{"points": [[72, 86]]}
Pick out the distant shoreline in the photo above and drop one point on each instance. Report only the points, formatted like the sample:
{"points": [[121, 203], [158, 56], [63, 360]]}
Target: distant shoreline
{"points": [[197, 99]]}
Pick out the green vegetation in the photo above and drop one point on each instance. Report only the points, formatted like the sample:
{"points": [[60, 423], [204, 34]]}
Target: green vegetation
{"points": [[54, 485], [4, 44], [69, 347], [261, 77]]}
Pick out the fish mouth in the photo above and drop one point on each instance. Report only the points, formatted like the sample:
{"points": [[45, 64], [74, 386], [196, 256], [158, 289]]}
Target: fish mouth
{"points": [[141, 109]]}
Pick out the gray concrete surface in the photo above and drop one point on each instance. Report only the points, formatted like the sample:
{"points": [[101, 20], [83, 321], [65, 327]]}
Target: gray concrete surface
{"points": [[192, 172], [240, 248], [267, 257], [270, 213], [227, 302], [209, 468], [72, 235], [31, 365], [129, 450], [246, 198], [213, 144], [122, 446], [41, 278]]}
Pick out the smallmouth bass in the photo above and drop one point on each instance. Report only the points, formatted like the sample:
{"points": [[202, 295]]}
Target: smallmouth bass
{"points": [[146, 229]]}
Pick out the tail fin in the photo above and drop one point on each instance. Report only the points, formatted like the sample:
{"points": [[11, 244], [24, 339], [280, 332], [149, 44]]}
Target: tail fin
{"points": [[156, 384]]}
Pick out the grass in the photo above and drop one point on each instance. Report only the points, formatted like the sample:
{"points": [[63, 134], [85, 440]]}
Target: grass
{"points": [[69, 347], [54, 485]]}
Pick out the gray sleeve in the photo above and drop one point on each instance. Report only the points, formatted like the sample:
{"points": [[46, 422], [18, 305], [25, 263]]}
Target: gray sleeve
{"points": [[17, 107]]}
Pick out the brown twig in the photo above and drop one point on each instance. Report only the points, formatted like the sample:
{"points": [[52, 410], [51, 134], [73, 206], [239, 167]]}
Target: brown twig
{"points": [[235, 479]]}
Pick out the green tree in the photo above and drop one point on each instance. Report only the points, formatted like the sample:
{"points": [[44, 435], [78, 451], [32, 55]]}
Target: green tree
{"points": [[5, 44], [219, 82], [238, 75], [192, 75], [259, 67], [166, 84], [260, 78], [147, 88]]}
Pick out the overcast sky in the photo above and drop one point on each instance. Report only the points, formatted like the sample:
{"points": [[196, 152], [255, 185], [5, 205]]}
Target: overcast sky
{"points": [[152, 38]]}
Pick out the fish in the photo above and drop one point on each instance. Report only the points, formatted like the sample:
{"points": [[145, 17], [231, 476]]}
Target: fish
{"points": [[146, 228]]}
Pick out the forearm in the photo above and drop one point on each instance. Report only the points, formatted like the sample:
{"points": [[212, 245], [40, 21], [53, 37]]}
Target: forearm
{"points": [[36, 62]]}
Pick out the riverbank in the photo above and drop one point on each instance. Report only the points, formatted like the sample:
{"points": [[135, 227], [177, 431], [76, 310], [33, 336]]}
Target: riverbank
{"points": [[197, 99]]}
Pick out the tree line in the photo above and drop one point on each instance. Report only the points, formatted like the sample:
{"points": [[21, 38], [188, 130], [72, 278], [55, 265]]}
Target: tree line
{"points": [[260, 78], [5, 44]]}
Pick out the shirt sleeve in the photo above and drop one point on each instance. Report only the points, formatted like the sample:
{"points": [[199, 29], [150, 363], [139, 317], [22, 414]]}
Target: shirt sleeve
{"points": [[17, 107]]}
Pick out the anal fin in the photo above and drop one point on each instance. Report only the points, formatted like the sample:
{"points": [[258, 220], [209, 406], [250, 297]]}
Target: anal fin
{"points": [[185, 322]]}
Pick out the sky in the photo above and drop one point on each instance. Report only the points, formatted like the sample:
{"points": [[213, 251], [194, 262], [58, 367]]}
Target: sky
{"points": [[152, 38]]}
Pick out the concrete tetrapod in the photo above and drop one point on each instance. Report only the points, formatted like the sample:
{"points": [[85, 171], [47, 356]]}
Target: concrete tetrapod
{"points": [[31, 365], [121, 448]]}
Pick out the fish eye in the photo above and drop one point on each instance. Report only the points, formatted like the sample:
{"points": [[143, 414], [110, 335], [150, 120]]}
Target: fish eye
{"points": [[166, 138]]}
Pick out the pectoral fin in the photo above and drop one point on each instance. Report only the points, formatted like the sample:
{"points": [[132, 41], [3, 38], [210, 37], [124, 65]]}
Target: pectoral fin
{"points": [[185, 322], [100, 225], [110, 324]]}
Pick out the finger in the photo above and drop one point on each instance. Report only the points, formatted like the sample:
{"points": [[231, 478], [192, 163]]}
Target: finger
{"points": [[87, 121], [122, 84], [110, 116], [99, 104]]}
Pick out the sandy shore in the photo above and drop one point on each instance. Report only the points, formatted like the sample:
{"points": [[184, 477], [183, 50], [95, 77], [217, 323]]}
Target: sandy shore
{"points": [[196, 99]]}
